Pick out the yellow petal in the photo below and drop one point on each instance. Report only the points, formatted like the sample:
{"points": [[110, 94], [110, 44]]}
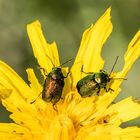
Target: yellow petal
{"points": [[11, 80], [68, 82], [5, 93], [46, 54], [78, 109], [14, 132], [26, 119], [125, 110], [54, 53], [101, 106], [73, 117], [89, 54], [21, 95], [62, 128], [34, 84], [108, 132], [131, 55]]}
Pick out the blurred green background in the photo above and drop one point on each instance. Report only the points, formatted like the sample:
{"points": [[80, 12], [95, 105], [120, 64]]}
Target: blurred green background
{"points": [[64, 21]]}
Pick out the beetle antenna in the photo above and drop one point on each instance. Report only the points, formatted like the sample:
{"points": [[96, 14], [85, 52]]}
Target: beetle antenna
{"points": [[114, 65], [66, 62], [50, 60], [119, 78], [42, 70]]}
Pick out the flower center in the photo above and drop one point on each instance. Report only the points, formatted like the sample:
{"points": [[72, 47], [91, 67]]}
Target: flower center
{"points": [[64, 126]]}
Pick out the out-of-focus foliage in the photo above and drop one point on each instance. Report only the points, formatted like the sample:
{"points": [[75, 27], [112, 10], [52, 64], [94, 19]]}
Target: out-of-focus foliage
{"points": [[64, 21]]}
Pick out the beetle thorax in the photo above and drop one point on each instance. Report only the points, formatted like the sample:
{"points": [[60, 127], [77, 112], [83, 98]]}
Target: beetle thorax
{"points": [[56, 73], [102, 79]]}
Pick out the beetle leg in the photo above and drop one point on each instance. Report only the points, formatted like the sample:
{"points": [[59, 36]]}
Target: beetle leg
{"points": [[84, 71], [107, 90], [55, 107], [102, 71], [110, 89], [98, 92], [44, 71], [61, 98], [36, 98], [98, 89], [67, 74]]}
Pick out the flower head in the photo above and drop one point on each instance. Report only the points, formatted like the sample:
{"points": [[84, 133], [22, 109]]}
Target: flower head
{"points": [[72, 117]]}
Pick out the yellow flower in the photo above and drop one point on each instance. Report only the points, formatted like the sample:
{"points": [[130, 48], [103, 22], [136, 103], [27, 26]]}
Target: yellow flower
{"points": [[73, 117]]}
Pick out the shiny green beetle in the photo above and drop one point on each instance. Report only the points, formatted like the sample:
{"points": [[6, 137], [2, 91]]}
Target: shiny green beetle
{"points": [[93, 82]]}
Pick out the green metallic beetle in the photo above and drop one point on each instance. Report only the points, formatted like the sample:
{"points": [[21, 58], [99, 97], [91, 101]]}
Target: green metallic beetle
{"points": [[94, 82]]}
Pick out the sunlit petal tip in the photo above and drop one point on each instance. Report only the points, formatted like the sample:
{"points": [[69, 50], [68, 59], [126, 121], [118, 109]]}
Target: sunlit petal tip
{"points": [[35, 23], [130, 57], [46, 54]]}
